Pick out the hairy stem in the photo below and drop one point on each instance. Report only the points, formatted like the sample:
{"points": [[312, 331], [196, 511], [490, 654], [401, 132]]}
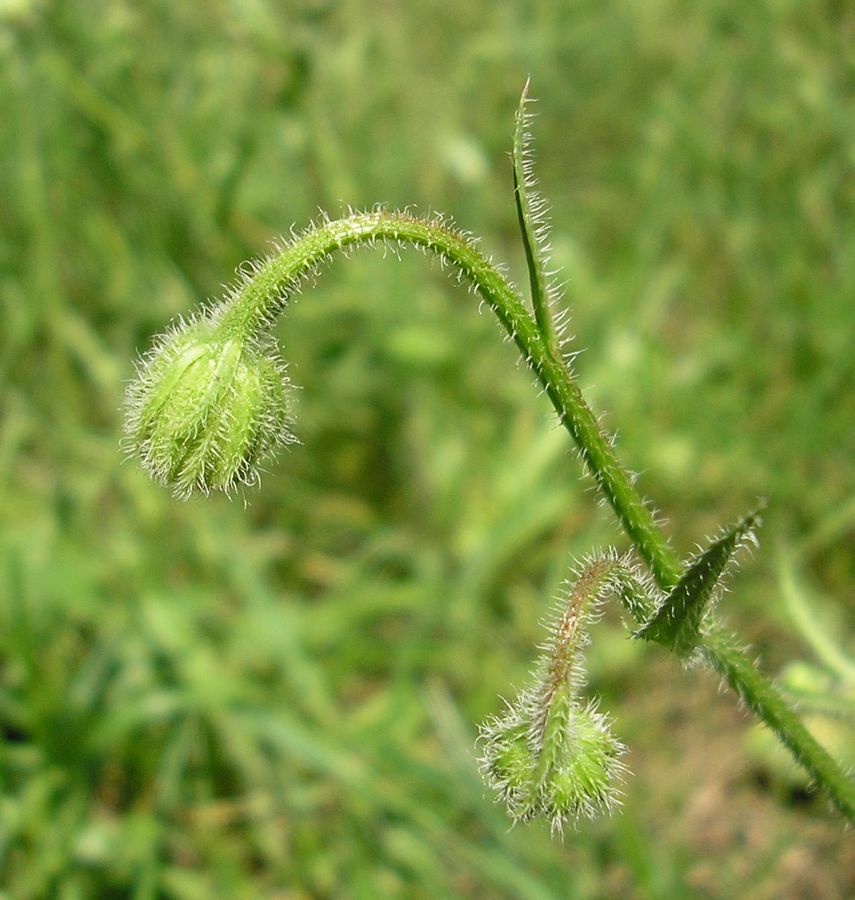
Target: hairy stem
{"points": [[728, 658], [263, 294]]}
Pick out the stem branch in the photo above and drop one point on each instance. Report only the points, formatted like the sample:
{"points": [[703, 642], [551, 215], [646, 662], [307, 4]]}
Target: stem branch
{"points": [[262, 295]]}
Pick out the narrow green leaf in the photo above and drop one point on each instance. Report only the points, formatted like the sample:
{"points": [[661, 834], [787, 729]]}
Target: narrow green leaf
{"points": [[531, 214], [677, 621]]}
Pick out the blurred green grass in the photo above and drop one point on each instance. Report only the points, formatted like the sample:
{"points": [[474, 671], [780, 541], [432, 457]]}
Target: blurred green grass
{"points": [[280, 699]]}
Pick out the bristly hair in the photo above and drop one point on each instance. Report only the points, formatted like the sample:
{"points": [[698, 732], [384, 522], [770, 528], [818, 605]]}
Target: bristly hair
{"points": [[248, 273], [534, 221], [552, 753], [682, 616]]}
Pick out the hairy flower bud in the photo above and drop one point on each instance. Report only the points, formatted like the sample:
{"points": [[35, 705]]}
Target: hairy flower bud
{"points": [[551, 755], [570, 769], [205, 409]]}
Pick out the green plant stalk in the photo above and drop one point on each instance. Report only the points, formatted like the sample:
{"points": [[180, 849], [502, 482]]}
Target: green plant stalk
{"points": [[724, 654], [208, 403], [256, 302], [729, 659]]}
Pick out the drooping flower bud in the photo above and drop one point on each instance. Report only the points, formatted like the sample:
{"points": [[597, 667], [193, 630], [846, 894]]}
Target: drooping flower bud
{"points": [[550, 754], [205, 409]]}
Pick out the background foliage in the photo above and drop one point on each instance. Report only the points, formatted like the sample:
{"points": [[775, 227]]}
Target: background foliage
{"points": [[279, 699]]}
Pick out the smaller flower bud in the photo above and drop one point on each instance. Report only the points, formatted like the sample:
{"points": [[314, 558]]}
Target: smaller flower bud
{"points": [[205, 409], [569, 770], [549, 755]]}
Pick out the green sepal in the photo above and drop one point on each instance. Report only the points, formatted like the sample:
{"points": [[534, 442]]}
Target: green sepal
{"points": [[678, 620]]}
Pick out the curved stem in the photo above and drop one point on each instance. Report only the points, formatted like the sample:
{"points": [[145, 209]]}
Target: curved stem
{"points": [[262, 295], [264, 292]]}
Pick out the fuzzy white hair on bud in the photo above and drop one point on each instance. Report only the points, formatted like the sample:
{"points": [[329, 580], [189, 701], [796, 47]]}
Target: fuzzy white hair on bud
{"points": [[205, 410], [552, 754]]}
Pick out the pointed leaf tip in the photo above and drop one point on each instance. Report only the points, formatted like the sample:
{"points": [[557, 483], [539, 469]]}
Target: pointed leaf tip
{"points": [[678, 620], [533, 224]]}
